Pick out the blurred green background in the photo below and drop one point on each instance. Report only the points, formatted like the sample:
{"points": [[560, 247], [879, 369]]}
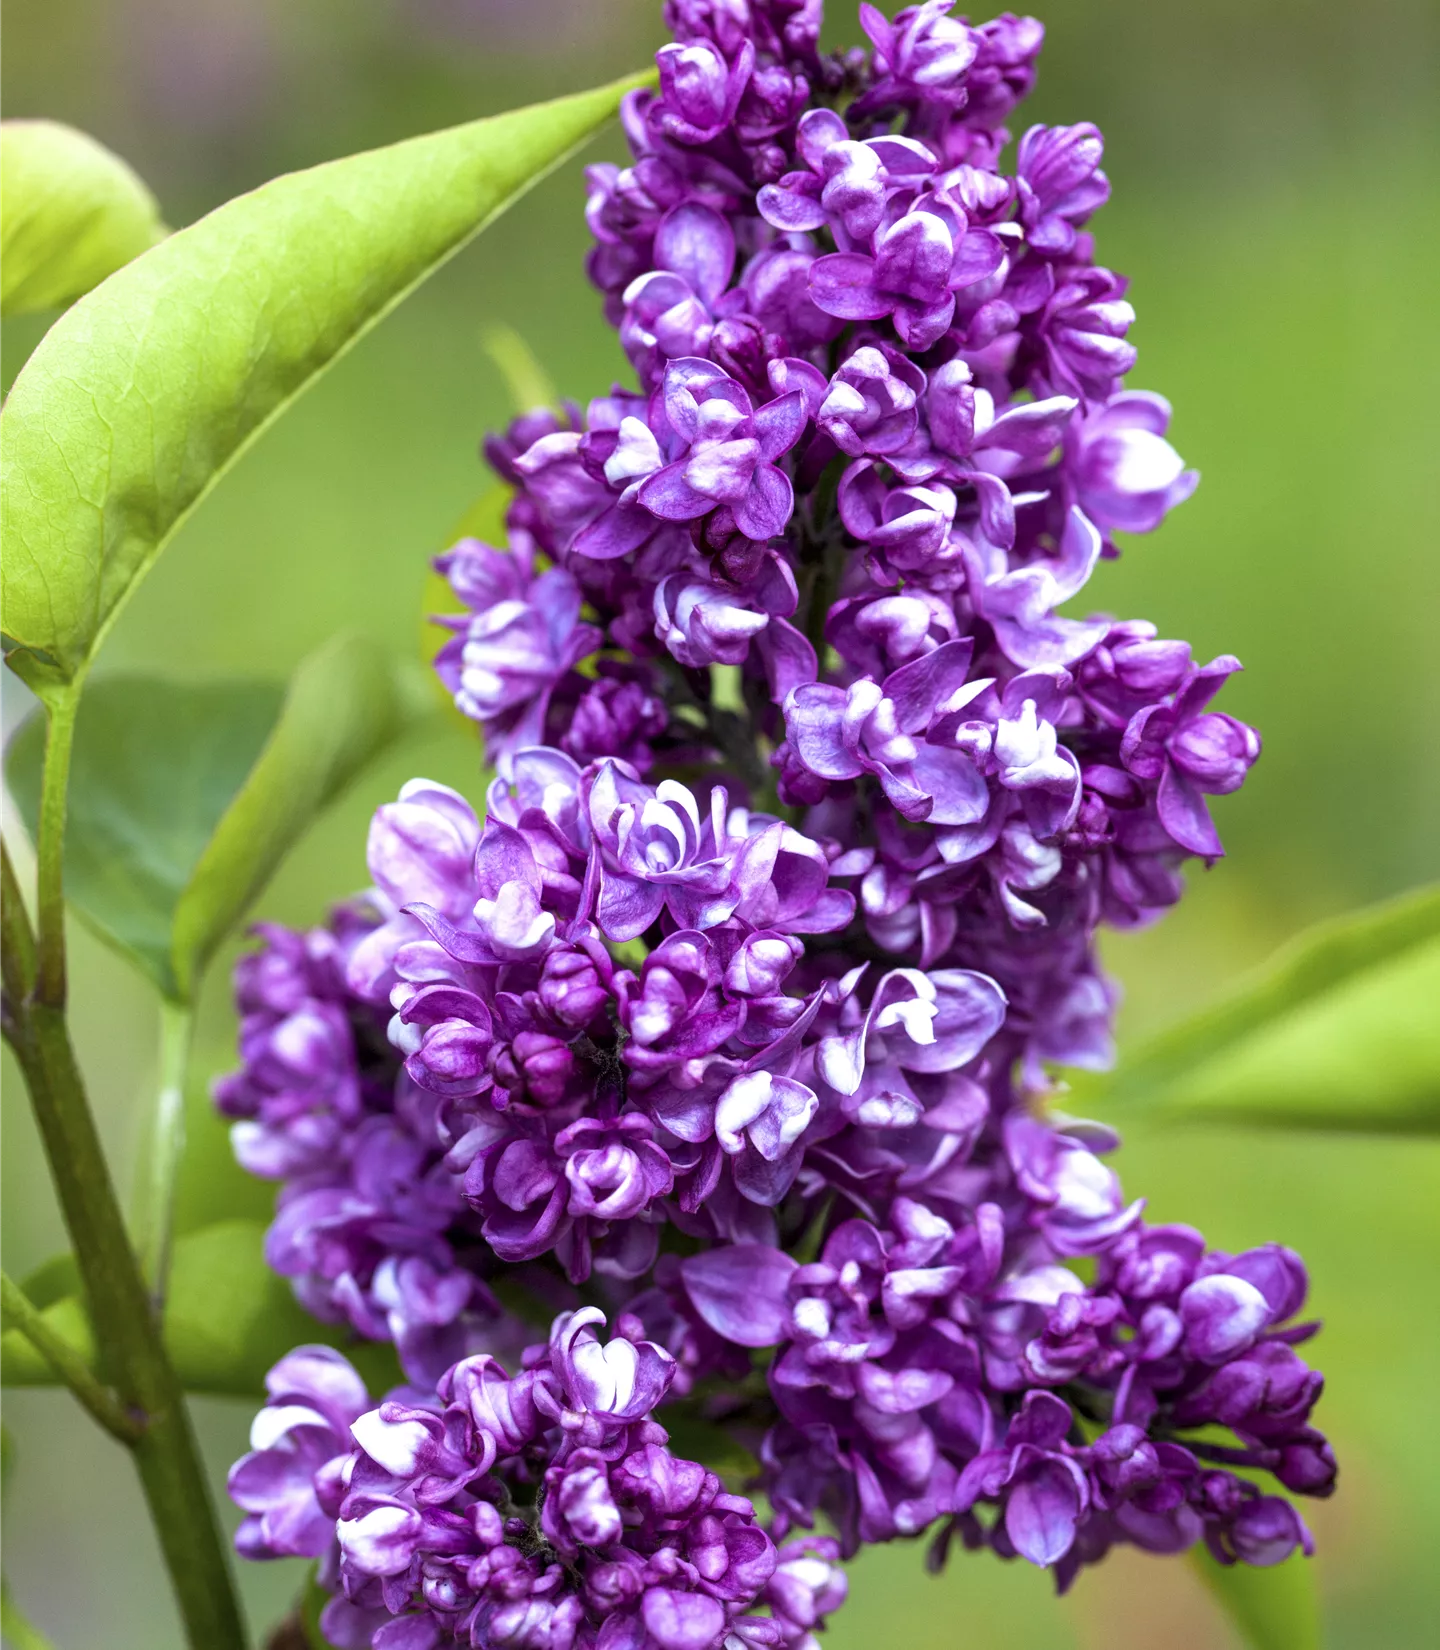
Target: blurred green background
{"points": [[1275, 165]]}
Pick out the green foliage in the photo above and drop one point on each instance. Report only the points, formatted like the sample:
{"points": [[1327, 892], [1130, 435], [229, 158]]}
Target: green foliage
{"points": [[209, 1184], [72, 213], [184, 797], [156, 765], [1272, 1609], [345, 704], [228, 1318], [144, 394], [1339, 1031]]}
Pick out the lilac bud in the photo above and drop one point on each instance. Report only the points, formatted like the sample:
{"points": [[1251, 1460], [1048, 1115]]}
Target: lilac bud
{"points": [[871, 403], [759, 968], [1267, 1530], [574, 987], [1222, 1315], [533, 1067]]}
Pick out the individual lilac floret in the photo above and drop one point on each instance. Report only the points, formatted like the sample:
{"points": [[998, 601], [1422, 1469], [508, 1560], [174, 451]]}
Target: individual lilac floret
{"points": [[1193, 753], [1126, 476], [522, 637]]}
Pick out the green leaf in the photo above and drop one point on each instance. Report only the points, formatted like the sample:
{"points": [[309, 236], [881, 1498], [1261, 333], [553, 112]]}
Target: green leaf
{"points": [[184, 797], [344, 706], [1339, 1031], [228, 1318], [71, 213], [148, 389], [210, 1185], [1273, 1609], [155, 766]]}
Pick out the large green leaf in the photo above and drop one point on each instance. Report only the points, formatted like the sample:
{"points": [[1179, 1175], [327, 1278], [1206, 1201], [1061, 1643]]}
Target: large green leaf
{"points": [[228, 1318], [185, 796], [155, 766], [71, 213], [1273, 1609], [1341, 1030], [148, 389]]}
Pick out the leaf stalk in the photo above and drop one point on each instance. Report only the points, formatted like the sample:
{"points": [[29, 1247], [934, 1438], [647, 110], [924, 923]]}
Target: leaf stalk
{"points": [[19, 1312], [60, 709]]}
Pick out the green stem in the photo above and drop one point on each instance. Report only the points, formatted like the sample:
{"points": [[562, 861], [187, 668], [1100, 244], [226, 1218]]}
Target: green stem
{"points": [[127, 1335], [50, 847], [167, 1145], [127, 1332], [17, 939], [19, 1312]]}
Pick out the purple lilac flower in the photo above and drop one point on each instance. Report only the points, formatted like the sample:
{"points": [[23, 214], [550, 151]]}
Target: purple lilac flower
{"points": [[542, 1508], [740, 1008], [369, 1224]]}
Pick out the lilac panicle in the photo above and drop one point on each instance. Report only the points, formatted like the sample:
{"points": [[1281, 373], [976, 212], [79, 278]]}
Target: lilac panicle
{"points": [[736, 1010]]}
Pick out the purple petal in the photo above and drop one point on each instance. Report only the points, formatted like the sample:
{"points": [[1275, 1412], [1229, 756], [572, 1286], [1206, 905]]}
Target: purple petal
{"points": [[978, 256], [957, 790], [818, 132], [788, 657], [741, 1291], [917, 688], [624, 527], [843, 284], [913, 258], [1041, 1512], [627, 905], [668, 495], [779, 424], [970, 1009], [814, 722], [682, 1621], [792, 207], [696, 242], [921, 325], [1184, 814], [1222, 1316], [791, 373], [767, 506]]}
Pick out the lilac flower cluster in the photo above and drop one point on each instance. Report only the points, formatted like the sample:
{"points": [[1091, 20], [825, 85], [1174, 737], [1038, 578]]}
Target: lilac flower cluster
{"points": [[540, 1509], [735, 1012], [370, 1224]]}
